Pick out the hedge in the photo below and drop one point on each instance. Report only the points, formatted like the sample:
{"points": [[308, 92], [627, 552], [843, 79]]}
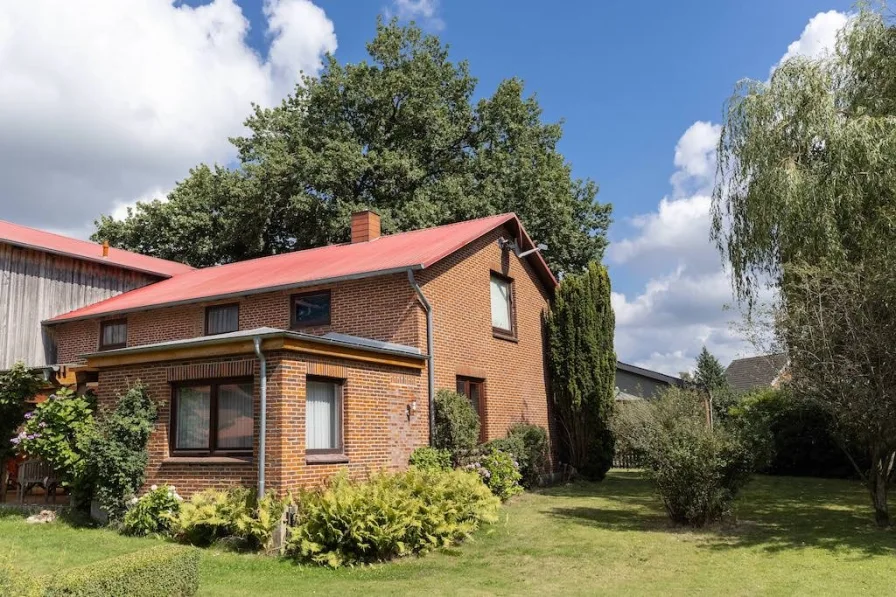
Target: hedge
{"points": [[169, 570]]}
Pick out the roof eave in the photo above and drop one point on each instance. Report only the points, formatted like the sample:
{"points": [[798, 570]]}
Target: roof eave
{"points": [[232, 295]]}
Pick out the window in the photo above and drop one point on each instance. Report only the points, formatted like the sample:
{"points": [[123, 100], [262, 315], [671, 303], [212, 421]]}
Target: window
{"points": [[113, 334], [472, 389], [311, 309], [502, 305], [212, 418], [220, 319], [323, 416]]}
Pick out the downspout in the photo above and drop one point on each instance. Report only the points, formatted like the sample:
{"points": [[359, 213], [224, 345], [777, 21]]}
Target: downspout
{"points": [[264, 415], [430, 362]]}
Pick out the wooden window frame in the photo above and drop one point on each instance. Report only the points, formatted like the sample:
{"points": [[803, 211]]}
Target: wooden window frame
{"points": [[293, 324], [212, 450], [108, 322], [468, 381], [501, 332], [340, 397], [208, 311]]}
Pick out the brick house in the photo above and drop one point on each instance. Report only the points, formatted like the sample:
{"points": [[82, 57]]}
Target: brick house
{"points": [[279, 371]]}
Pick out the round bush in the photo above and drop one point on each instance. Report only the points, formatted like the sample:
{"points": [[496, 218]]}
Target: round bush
{"points": [[457, 424], [155, 513], [500, 472]]}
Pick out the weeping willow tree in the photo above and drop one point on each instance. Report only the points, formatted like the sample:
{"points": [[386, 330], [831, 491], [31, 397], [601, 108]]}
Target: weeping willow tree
{"points": [[805, 203], [582, 363]]}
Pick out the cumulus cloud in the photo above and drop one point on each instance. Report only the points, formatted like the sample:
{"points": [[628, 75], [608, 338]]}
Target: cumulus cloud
{"points": [[123, 104], [682, 305], [424, 12], [818, 38]]}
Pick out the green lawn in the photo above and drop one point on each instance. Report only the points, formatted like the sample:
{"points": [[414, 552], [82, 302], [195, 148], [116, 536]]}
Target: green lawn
{"points": [[792, 536]]}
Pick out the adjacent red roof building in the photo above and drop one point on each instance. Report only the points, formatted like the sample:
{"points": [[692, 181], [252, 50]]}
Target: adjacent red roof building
{"points": [[47, 242]]}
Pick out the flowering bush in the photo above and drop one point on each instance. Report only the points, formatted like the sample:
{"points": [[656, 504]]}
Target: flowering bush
{"points": [[500, 472], [155, 513], [56, 432]]}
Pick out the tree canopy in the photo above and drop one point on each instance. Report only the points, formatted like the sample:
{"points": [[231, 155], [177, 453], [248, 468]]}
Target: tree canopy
{"points": [[401, 134], [709, 373], [807, 160]]}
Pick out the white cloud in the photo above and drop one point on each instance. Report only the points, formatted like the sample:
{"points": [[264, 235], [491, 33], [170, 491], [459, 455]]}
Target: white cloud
{"points": [[681, 306], [123, 104], [818, 38], [424, 12]]}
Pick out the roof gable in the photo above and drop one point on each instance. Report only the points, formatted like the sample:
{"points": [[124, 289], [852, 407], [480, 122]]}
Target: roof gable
{"points": [[48, 242], [417, 249], [755, 372]]}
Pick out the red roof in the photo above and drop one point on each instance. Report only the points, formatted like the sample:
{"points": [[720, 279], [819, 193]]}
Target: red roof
{"points": [[39, 240], [417, 249]]}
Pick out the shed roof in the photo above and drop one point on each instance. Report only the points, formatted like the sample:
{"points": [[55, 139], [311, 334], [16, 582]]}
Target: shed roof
{"points": [[414, 250], [755, 372], [48, 242]]}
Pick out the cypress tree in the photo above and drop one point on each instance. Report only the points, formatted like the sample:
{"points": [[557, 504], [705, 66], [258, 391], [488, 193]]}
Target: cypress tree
{"points": [[582, 365]]}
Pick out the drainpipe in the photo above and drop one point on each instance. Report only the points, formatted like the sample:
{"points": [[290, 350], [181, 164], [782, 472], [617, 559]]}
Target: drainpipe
{"points": [[264, 415], [430, 363]]}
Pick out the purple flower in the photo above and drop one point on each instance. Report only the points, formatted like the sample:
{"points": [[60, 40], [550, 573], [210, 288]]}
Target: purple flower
{"points": [[30, 436], [42, 424], [15, 441], [29, 414]]}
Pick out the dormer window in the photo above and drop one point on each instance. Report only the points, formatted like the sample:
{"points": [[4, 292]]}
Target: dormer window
{"points": [[113, 334]]}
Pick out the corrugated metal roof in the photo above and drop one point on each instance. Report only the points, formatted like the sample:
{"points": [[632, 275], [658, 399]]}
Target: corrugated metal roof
{"points": [[40, 240], [417, 249]]}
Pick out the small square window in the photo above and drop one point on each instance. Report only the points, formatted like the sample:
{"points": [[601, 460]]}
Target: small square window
{"points": [[323, 416], [220, 319], [113, 334], [311, 309]]}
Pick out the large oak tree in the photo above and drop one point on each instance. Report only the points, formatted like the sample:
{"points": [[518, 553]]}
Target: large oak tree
{"points": [[400, 133]]}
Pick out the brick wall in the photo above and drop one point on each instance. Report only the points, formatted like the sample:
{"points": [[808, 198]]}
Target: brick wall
{"points": [[514, 371], [383, 308], [378, 434]]}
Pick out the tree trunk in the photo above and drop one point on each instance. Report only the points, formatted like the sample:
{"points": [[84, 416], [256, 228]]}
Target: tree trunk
{"points": [[878, 481], [4, 480]]}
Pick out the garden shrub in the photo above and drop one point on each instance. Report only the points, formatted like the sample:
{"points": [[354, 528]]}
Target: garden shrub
{"points": [[795, 435], [528, 444], [500, 472], [15, 582], [116, 454], [155, 513], [169, 570], [456, 425], [698, 470], [428, 458], [389, 515], [233, 516]]}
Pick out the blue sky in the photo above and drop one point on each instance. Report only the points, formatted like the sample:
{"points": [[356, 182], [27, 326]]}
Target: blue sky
{"points": [[120, 108]]}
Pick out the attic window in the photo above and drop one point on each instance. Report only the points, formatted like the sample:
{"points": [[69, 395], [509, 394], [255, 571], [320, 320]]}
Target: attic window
{"points": [[310, 309], [220, 319], [113, 334]]}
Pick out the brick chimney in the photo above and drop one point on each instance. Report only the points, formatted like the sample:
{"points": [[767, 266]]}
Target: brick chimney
{"points": [[365, 226]]}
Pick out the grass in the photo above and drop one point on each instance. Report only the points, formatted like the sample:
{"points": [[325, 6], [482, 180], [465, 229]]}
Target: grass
{"points": [[791, 536]]}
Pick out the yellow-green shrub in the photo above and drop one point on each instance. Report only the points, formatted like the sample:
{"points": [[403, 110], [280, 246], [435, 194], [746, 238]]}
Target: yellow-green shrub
{"points": [[389, 515], [234, 515]]}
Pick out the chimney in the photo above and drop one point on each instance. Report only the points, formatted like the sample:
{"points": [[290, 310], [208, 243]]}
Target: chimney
{"points": [[105, 248], [365, 226]]}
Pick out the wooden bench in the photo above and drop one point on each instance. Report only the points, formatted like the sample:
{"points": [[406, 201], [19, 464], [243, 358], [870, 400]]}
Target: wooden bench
{"points": [[34, 473]]}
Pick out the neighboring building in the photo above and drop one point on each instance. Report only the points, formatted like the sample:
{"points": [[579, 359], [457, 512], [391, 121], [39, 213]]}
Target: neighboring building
{"points": [[353, 339], [44, 274], [637, 383], [764, 371]]}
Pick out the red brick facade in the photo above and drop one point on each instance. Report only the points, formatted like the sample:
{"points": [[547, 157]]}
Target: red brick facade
{"points": [[379, 430]]}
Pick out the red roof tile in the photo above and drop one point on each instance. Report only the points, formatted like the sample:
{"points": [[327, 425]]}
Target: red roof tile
{"points": [[39, 240], [417, 249]]}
